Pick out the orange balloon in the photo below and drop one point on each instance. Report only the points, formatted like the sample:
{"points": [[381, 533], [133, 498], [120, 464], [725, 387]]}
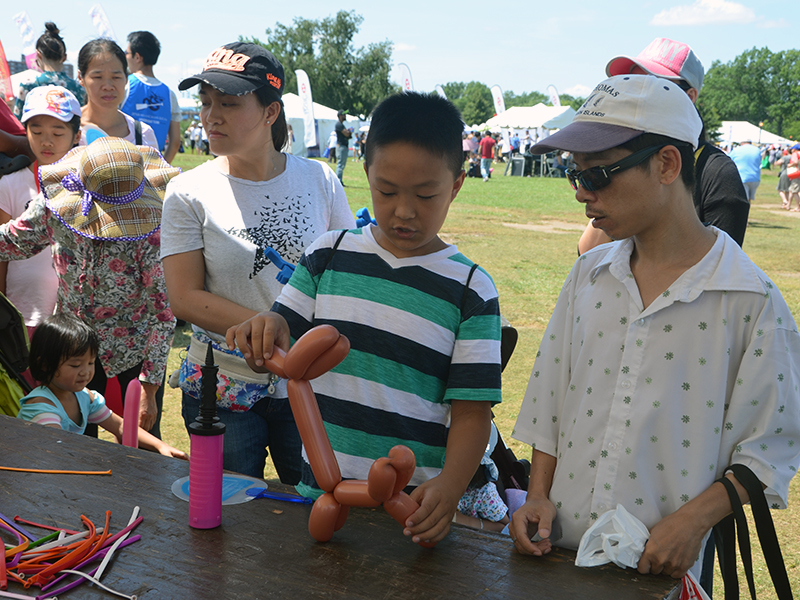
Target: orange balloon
{"points": [[328, 359], [307, 349], [312, 431], [353, 492], [324, 517]]}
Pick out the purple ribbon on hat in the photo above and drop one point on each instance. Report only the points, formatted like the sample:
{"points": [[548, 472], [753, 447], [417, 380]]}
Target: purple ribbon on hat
{"points": [[73, 183]]}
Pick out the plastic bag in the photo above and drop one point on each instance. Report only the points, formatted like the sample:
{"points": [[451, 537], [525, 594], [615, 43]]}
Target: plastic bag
{"points": [[691, 589], [617, 536]]}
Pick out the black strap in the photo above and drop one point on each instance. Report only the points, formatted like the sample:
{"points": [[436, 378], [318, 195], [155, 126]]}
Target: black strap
{"points": [[137, 132], [466, 288], [767, 537], [333, 250]]}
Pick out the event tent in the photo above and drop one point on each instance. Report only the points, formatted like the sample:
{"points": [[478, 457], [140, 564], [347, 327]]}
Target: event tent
{"points": [[325, 117], [731, 132], [540, 117]]}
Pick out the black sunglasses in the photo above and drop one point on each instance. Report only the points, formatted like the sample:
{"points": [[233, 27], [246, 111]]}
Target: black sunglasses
{"points": [[596, 178]]}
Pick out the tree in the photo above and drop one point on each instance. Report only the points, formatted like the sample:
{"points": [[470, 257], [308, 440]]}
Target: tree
{"points": [[758, 86], [524, 99], [473, 99], [341, 76]]}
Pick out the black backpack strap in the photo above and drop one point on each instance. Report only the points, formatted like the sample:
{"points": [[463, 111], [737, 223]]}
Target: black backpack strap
{"points": [[137, 132], [333, 250], [466, 288]]}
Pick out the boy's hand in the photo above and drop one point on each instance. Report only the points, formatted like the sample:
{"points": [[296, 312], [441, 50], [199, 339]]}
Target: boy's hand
{"points": [[438, 503], [537, 514], [257, 336]]}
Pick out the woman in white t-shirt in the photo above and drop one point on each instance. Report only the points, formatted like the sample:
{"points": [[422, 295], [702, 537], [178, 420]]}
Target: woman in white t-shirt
{"points": [[103, 72], [219, 222]]}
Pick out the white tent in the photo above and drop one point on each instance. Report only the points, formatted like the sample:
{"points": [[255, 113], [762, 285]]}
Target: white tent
{"points": [[742, 131], [324, 116], [539, 117]]}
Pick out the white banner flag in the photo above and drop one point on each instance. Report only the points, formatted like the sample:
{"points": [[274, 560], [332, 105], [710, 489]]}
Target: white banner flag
{"points": [[553, 93], [499, 103], [440, 91], [304, 91], [27, 34], [101, 23], [405, 76]]}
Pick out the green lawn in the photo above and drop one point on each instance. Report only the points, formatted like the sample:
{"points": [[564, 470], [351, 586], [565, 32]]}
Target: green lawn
{"points": [[524, 232]]}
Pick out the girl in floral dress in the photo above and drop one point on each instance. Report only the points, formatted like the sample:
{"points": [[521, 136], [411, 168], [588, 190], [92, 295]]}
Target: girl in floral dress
{"points": [[99, 212]]}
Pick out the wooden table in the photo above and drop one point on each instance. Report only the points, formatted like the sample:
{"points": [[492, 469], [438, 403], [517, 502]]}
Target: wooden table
{"points": [[263, 549]]}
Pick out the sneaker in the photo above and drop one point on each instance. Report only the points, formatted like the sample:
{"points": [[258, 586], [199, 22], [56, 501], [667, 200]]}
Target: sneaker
{"points": [[485, 179]]}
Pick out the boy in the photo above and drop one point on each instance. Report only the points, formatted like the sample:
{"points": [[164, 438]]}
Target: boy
{"points": [[669, 355], [422, 320], [52, 119]]}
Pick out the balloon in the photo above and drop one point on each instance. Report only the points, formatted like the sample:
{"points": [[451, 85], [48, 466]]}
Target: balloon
{"points": [[130, 420], [315, 353]]}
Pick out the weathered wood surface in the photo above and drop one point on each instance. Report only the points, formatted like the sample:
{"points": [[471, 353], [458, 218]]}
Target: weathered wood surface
{"points": [[258, 553]]}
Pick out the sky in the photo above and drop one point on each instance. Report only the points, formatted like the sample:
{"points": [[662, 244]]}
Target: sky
{"points": [[520, 46]]}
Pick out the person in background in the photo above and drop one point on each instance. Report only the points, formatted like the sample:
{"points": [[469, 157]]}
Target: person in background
{"points": [[219, 220], [52, 119], [51, 53], [343, 135], [149, 100], [103, 72], [719, 196], [486, 146], [747, 159], [15, 152]]}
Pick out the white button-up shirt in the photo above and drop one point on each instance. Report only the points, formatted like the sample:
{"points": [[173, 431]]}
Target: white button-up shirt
{"points": [[647, 407]]}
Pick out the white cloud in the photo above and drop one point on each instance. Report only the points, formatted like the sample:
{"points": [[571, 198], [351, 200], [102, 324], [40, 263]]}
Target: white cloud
{"points": [[578, 91], [705, 12], [775, 24], [404, 47]]}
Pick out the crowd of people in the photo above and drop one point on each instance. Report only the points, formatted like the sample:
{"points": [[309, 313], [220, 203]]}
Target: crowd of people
{"points": [[667, 339]]}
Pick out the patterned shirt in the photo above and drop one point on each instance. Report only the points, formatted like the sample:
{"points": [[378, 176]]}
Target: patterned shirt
{"points": [[48, 78], [646, 407], [116, 287], [417, 342]]}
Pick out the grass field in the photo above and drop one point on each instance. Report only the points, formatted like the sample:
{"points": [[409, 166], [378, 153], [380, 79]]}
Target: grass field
{"points": [[524, 232]]}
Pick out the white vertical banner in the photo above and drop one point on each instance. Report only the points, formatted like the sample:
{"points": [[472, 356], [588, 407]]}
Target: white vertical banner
{"points": [[497, 96], [27, 34], [405, 78], [553, 93], [304, 91], [440, 91], [101, 23]]}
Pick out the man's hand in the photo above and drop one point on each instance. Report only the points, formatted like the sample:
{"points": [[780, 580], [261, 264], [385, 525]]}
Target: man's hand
{"points": [[537, 514], [673, 547], [438, 503]]}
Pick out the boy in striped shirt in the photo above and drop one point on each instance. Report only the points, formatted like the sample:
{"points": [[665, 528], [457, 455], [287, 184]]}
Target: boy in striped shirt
{"points": [[422, 319]]}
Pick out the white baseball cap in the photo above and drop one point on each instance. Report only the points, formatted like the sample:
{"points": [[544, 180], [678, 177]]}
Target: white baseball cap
{"points": [[624, 107], [52, 101]]}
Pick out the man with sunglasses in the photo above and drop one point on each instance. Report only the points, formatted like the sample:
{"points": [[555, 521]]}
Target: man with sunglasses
{"points": [[669, 354], [719, 196]]}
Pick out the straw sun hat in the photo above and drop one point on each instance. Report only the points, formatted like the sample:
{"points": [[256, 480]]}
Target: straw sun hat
{"points": [[108, 190]]}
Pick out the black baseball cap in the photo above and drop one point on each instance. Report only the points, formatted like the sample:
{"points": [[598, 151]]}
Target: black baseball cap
{"points": [[239, 68]]}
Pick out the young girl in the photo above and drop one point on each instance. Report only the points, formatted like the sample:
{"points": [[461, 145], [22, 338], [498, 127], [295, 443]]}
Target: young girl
{"points": [[52, 120], [62, 357], [103, 71]]}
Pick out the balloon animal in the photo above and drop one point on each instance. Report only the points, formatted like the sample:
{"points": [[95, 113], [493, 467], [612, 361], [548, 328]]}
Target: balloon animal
{"points": [[315, 353]]}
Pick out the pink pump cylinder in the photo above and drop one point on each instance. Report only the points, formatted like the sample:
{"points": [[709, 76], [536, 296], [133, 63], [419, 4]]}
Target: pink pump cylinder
{"points": [[205, 481]]}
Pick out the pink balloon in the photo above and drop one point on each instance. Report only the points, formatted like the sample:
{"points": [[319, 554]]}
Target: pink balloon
{"points": [[130, 421]]}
